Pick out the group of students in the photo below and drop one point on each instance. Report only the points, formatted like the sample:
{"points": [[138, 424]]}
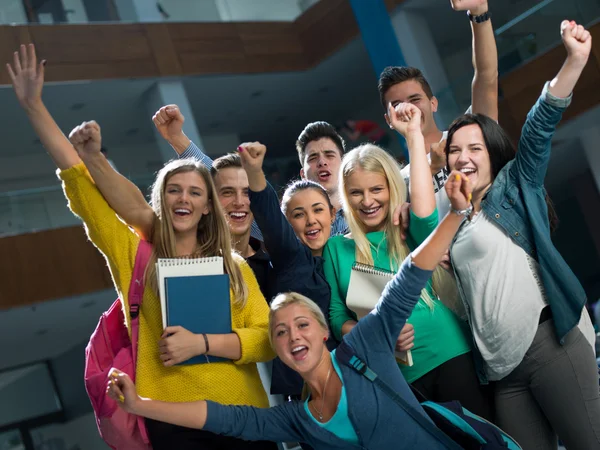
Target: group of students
{"points": [[493, 315]]}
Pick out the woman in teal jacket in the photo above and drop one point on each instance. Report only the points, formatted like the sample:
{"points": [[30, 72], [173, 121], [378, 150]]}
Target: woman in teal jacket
{"points": [[525, 305]]}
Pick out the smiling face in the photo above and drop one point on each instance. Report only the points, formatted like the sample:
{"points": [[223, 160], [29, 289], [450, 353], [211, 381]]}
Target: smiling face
{"points": [[232, 190], [411, 91], [298, 337], [311, 217], [322, 164], [368, 195], [468, 154], [186, 201]]}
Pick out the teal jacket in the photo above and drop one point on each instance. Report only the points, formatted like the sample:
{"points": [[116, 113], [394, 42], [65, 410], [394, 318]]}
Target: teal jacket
{"points": [[517, 202]]}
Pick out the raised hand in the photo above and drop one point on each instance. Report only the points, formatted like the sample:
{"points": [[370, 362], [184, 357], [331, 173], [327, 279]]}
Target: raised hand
{"points": [[122, 390], [86, 138], [27, 76], [178, 344], [458, 188], [577, 41], [253, 155], [169, 120], [476, 7], [405, 118]]}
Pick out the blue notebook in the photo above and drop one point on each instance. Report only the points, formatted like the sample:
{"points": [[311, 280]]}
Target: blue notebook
{"points": [[200, 304]]}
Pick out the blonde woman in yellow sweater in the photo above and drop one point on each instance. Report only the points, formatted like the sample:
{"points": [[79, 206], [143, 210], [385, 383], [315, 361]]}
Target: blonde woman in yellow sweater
{"points": [[188, 221]]}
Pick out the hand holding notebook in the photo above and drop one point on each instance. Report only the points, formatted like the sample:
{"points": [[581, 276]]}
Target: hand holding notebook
{"points": [[364, 290], [194, 294]]}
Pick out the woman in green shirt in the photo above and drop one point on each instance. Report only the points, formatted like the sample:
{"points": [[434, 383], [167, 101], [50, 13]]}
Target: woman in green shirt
{"points": [[371, 188]]}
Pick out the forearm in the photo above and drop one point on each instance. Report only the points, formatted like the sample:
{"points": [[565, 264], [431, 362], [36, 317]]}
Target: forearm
{"points": [[180, 143], [484, 94], [428, 255], [224, 345], [421, 188], [256, 180], [121, 194], [563, 84], [190, 414], [52, 138]]}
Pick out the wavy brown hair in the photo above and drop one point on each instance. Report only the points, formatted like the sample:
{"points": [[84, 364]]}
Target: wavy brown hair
{"points": [[213, 238]]}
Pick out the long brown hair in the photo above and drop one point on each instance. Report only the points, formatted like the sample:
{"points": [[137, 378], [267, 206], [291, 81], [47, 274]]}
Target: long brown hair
{"points": [[213, 238]]}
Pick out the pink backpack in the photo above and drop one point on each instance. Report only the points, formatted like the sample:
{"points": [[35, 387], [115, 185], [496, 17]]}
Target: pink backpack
{"points": [[110, 346]]}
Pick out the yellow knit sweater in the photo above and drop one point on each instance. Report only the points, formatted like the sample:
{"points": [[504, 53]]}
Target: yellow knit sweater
{"points": [[234, 382]]}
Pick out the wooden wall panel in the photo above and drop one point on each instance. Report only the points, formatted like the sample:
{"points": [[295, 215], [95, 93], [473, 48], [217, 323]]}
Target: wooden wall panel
{"points": [[49, 265], [522, 87]]}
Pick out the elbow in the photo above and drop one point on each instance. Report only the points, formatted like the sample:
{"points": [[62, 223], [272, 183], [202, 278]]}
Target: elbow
{"points": [[486, 77]]}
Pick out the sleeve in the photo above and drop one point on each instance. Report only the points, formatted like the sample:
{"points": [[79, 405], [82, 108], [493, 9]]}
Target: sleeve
{"points": [[419, 228], [533, 156], [338, 312], [193, 151], [115, 240], [253, 424], [254, 337], [278, 235], [381, 328]]}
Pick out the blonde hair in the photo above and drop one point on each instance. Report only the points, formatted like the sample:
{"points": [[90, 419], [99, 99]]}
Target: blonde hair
{"points": [[213, 238], [293, 298], [372, 158]]}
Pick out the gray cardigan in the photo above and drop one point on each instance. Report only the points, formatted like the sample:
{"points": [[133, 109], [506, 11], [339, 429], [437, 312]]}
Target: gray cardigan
{"points": [[378, 421]]}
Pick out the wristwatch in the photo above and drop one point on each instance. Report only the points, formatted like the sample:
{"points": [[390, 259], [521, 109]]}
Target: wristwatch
{"points": [[463, 212], [480, 18]]}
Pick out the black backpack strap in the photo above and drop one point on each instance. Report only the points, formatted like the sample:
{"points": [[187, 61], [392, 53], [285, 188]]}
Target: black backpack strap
{"points": [[346, 356]]}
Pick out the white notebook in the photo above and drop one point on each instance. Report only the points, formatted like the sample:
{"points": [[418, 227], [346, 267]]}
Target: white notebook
{"points": [[364, 291], [184, 267]]}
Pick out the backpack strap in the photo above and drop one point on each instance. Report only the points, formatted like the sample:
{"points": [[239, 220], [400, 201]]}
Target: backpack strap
{"points": [[136, 291], [136, 296], [345, 354]]}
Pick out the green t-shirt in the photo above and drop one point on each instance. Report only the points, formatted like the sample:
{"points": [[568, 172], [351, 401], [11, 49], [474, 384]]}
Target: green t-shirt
{"points": [[439, 334]]}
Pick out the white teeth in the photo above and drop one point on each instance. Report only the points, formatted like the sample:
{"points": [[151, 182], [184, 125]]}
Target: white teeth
{"points": [[297, 349], [238, 215], [311, 232], [467, 170], [322, 174], [370, 211], [183, 211]]}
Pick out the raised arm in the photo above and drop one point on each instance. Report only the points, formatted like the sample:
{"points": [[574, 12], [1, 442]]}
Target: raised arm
{"points": [[531, 162], [121, 194], [245, 422], [27, 77], [484, 89], [406, 120], [279, 237], [381, 328]]}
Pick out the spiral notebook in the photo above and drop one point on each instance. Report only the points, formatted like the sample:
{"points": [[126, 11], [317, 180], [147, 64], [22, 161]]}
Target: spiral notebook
{"points": [[364, 291], [183, 267]]}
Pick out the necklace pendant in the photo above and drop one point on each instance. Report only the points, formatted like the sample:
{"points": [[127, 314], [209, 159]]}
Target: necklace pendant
{"points": [[320, 417]]}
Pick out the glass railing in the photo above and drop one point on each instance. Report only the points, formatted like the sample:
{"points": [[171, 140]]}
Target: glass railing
{"points": [[82, 11], [44, 208]]}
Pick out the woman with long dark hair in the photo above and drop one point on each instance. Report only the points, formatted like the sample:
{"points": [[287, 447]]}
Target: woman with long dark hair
{"points": [[525, 305]]}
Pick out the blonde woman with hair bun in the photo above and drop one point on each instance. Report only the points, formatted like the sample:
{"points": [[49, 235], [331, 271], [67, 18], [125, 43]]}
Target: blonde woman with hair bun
{"points": [[371, 188]]}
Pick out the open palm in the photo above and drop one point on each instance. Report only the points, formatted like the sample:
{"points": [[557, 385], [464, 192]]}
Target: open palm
{"points": [[27, 76]]}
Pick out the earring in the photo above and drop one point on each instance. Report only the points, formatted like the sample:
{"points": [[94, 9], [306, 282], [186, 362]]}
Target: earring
{"points": [[325, 339]]}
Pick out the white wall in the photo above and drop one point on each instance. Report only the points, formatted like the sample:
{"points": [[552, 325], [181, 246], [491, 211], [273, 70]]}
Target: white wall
{"points": [[12, 11], [258, 10]]}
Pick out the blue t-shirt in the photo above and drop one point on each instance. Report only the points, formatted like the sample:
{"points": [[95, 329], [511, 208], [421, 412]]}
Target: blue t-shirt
{"points": [[339, 424]]}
